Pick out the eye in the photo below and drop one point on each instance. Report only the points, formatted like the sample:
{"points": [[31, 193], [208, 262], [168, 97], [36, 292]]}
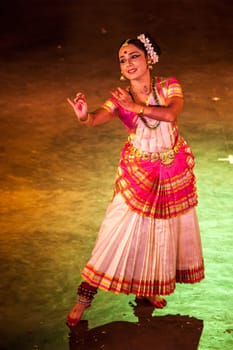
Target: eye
{"points": [[135, 55], [122, 60]]}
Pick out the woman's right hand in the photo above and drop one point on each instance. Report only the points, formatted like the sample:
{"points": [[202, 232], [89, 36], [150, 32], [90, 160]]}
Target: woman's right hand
{"points": [[79, 105]]}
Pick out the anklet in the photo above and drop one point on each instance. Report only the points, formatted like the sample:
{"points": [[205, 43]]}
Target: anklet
{"points": [[84, 302], [87, 291]]}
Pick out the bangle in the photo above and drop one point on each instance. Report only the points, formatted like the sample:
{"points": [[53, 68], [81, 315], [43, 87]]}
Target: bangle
{"points": [[141, 111], [85, 121]]}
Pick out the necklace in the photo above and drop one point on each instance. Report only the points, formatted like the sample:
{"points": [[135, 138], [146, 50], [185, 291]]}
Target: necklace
{"points": [[145, 90], [155, 94]]}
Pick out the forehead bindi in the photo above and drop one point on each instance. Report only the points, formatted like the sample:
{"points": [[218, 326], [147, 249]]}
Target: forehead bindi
{"points": [[126, 49], [131, 49]]}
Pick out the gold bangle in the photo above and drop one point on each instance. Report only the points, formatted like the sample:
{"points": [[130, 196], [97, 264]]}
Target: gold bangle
{"points": [[141, 111]]}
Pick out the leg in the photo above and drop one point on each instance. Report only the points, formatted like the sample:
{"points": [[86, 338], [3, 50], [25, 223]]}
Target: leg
{"points": [[86, 294]]}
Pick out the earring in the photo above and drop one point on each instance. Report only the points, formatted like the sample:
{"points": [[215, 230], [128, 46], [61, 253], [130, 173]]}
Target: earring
{"points": [[122, 77], [149, 65]]}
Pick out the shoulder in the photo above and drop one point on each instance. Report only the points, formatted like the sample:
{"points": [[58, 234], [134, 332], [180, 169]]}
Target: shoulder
{"points": [[166, 81], [170, 86]]}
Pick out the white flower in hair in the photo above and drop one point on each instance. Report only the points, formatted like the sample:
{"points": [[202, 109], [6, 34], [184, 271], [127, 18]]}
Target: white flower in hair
{"points": [[149, 48]]}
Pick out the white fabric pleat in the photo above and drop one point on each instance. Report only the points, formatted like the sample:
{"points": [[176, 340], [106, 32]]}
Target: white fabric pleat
{"points": [[135, 247]]}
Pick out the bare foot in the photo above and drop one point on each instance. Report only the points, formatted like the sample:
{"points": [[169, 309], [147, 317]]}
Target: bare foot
{"points": [[157, 301], [76, 313]]}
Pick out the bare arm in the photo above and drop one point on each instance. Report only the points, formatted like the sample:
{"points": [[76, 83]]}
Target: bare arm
{"points": [[79, 106], [168, 113], [99, 116]]}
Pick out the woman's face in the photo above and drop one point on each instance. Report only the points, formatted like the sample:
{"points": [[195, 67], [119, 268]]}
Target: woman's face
{"points": [[133, 63]]}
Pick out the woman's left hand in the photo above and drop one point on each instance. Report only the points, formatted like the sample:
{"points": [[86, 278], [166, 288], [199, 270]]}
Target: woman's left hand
{"points": [[124, 99]]}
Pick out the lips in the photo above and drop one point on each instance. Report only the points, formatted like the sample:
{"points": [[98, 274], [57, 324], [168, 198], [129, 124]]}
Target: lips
{"points": [[133, 70]]}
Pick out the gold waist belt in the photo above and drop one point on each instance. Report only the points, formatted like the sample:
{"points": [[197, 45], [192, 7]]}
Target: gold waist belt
{"points": [[166, 157]]}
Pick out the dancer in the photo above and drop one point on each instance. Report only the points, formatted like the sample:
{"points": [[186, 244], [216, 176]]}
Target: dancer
{"points": [[149, 238]]}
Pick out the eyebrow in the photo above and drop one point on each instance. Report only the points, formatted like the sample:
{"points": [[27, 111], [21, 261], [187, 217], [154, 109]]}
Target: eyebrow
{"points": [[130, 53]]}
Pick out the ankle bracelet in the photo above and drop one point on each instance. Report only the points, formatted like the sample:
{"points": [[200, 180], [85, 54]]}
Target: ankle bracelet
{"points": [[87, 291], [84, 302]]}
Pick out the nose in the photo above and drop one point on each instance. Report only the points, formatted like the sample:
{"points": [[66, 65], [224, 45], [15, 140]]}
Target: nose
{"points": [[128, 61]]}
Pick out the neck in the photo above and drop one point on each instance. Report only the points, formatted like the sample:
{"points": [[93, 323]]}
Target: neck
{"points": [[141, 86], [139, 97]]}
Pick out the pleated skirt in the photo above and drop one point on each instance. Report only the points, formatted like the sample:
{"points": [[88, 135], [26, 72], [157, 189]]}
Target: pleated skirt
{"points": [[143, 255]]}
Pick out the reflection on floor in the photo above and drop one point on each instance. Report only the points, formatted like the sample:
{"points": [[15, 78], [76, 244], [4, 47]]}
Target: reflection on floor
{"points": [[150, 332]]}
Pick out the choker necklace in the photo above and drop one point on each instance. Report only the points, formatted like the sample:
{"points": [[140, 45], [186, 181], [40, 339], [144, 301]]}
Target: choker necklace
{"points": [[155, 94]]}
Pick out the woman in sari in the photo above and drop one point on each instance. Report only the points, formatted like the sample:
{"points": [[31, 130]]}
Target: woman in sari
{"points": [[149, 239]]}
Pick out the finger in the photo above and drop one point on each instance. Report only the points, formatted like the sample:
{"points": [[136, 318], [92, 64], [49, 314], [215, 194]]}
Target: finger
{"points": [[70, 102], [118, 94], [114, 91], [80, 99], [80, 96], [121, 91], [114, 94]]}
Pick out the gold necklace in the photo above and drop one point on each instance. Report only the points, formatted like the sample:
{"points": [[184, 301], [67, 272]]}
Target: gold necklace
{"points": [[155, 94]]}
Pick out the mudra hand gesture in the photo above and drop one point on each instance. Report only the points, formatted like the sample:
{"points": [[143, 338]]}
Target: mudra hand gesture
{"points": [[79, 105], [123, 98]]}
